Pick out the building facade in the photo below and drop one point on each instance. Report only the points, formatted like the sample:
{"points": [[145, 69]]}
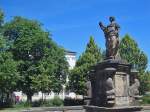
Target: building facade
{"points": [[71, 59]]}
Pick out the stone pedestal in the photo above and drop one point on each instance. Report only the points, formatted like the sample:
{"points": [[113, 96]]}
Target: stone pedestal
{"points": [[110, 83]]}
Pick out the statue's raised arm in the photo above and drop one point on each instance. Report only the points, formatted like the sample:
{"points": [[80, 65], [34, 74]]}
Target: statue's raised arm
{"points": [[102, 26]]}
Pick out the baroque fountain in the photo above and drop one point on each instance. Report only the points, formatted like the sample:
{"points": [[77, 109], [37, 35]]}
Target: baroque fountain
{"points": [[113, 85]]}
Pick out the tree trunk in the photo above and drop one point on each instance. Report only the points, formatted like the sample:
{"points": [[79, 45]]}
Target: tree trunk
{"points": [[42, 96], [1, 99], [29, 98], [8, 100]]}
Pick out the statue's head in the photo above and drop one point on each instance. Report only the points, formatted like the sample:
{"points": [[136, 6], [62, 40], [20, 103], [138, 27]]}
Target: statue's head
{"points": [[111, 19]]}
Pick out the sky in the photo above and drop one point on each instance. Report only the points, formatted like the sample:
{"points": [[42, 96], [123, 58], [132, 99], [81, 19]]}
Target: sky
{"points": [[72, 22]]}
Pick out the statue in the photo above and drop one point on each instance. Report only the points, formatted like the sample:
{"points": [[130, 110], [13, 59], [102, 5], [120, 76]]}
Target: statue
{"points": [[110, 87], [110, 90], [134, 88], [88, 93], [111, 33]]}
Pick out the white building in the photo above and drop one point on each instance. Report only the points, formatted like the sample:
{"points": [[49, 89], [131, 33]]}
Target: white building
{"points": [[71, 59]]}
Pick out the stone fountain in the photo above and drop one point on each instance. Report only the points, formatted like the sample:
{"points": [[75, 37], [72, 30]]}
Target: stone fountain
{"points": [[114, 87]]}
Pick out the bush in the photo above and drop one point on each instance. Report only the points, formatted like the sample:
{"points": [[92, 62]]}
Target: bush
{"points": [[56, 101], [146, 99], [71, 102], [22, 105], [48, 103], [37, 103]]}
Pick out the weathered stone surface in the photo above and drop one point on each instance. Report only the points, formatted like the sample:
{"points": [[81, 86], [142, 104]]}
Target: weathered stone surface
{"points": [[112, 38], [110, 83], [110, 79]]}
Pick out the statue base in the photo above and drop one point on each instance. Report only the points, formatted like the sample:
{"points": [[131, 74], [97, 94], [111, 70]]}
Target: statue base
{"points": [[110, 83], [114, 109]]}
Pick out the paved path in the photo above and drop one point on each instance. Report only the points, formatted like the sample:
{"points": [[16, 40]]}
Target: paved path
{"points": [[66, 109], [81, 111], [56, 109], [146, 110]]}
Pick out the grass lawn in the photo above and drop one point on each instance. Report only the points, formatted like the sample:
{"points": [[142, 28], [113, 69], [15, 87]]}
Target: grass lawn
{"points": [[146, 100], [12, 110]]}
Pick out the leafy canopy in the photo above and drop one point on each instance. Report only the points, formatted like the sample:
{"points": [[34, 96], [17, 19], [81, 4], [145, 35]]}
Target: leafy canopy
{"points": [[42, 62], [79, 75], [130, 51]]}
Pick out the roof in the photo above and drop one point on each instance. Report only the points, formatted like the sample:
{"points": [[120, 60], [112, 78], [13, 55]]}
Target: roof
{"points": [[70, 52]]}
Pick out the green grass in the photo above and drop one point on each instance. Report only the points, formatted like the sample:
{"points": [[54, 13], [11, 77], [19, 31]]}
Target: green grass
{"points": [[40, 103], [146, 100], [12, 110], [16, 108], [24, 105]]}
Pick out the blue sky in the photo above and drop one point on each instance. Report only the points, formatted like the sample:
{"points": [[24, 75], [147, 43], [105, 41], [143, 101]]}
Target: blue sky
{"points": [[71, 22]]}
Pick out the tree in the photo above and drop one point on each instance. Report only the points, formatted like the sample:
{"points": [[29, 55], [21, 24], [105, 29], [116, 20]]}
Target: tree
{"points": [[57, 67], [2, 40], [2, 43], [145, 82], [38, 56], [79, 75], [91, 49], [1, 18], [8, 76], [8, 73], [130, 52], [8, 69]]}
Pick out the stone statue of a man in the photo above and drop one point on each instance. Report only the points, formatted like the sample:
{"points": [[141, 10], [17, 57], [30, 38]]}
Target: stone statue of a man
{"points": [[112, 38]]}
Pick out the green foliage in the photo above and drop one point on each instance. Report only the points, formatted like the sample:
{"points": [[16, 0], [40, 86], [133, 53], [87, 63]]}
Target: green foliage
{"points": [[73, 102], [2, 43], [146, 99], [1, 17], [79, 75], [145, 82], [77, 80], [130, 51], [57, 67], [8, 70], [8, 73], [42, 62], [25, 35], [91, 50], [56, 101], [22, 104]]}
